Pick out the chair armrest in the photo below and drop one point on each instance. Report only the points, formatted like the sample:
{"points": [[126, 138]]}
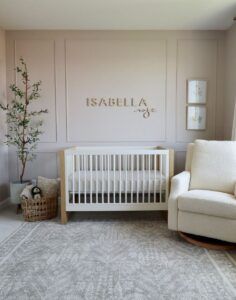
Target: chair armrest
{"points": [[179, 185]]}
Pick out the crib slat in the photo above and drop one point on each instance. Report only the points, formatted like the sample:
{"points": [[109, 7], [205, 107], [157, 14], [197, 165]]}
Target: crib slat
{"points": [[120, 178], [126, 177], [78, 169], [114, 178], [91, 178], [73, 179], [167, 177], [160, 177], [96, 168], [149, 176], [143, 175], [65, 188], [102, 179], [155, 178], [132, 178], [85, 178], [137, 167], [108, 178], [146, 162]]}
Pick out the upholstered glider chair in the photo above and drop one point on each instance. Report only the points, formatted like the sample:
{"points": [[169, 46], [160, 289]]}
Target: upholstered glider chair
{"points": [[202, 199]]}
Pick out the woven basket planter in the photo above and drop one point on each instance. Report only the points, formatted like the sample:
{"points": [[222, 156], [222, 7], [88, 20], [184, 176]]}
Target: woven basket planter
{"points": [[40, 209]]}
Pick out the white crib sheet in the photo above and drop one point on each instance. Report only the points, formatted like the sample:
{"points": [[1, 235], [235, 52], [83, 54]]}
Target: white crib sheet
{"points": [[142, 181]]}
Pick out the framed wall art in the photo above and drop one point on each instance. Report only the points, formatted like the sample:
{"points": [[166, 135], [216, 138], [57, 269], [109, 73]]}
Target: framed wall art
{"points": [[196, 117], [196, 91]]}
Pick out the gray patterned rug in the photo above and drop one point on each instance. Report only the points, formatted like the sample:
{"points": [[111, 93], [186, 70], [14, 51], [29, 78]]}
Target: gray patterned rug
{"points": [[110, 259]]}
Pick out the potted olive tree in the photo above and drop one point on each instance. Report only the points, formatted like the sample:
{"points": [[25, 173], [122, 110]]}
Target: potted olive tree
{"points": [[24, 125]]}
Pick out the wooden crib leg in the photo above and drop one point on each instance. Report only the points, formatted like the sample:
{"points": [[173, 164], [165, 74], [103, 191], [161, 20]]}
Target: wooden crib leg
{"points": [[64, 213], [64, 216]]}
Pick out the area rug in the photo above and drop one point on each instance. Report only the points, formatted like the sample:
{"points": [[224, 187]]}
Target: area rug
{"points": [[110, 259]]}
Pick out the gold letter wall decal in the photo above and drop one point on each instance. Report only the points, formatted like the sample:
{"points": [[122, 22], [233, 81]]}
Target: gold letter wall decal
{"points": [[140, 104]]}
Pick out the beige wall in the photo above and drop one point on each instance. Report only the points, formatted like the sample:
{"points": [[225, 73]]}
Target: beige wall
{"points": [[230, 80], [3, 149], [74, 65]]}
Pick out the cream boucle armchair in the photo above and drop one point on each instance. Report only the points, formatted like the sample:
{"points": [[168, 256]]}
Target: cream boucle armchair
{"points": [[202, 199]]}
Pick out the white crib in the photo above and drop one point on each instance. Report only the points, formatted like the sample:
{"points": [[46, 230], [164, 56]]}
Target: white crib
{"points": [[115, 179]]}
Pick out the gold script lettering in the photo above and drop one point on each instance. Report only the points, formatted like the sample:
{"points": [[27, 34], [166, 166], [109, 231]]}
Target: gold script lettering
{"points": [[141, 104]]}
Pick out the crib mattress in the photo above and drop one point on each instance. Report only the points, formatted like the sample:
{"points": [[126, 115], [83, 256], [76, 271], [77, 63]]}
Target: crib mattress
{"points": [[116, 182]]}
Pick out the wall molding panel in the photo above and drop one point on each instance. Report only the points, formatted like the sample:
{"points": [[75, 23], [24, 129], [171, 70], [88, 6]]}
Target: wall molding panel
{"points": [[91, 76], [198, 60], [40, 57]]}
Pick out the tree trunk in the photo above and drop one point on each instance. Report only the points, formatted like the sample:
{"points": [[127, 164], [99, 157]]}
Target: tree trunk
{"points": [[22, 171]]}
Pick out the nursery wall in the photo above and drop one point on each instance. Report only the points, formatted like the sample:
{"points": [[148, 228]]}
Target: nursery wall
{"points": [[230, 80], [4, 178], [78, 66]]}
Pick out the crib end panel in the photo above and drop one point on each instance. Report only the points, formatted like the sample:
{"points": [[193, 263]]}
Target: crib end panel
{"points": [[171, 163], [64, 213]]}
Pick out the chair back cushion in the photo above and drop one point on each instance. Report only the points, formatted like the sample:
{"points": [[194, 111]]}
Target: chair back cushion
{"points": [[213, 166]]}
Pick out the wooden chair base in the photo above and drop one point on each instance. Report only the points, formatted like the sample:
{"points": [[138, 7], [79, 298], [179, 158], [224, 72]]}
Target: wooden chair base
{"points": [[208, 243]]}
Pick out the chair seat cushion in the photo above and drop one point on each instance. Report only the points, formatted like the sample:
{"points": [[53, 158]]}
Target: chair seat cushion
{"points": [[209, 203]]}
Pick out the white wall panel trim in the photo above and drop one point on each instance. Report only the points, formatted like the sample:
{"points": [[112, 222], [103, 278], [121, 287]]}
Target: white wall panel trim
{"points": [[170, 41], [54, 80], [215, 100], [143, 140]]}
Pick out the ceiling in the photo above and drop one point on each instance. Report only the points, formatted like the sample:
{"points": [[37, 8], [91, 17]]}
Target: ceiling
{"points": [[117, 14]]}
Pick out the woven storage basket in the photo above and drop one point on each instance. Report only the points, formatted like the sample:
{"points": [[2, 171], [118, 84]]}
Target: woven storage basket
{"points": [[40, 209]]}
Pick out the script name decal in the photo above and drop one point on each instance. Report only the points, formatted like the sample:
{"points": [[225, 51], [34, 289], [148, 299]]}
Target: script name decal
{"points": [[140, 105]]}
